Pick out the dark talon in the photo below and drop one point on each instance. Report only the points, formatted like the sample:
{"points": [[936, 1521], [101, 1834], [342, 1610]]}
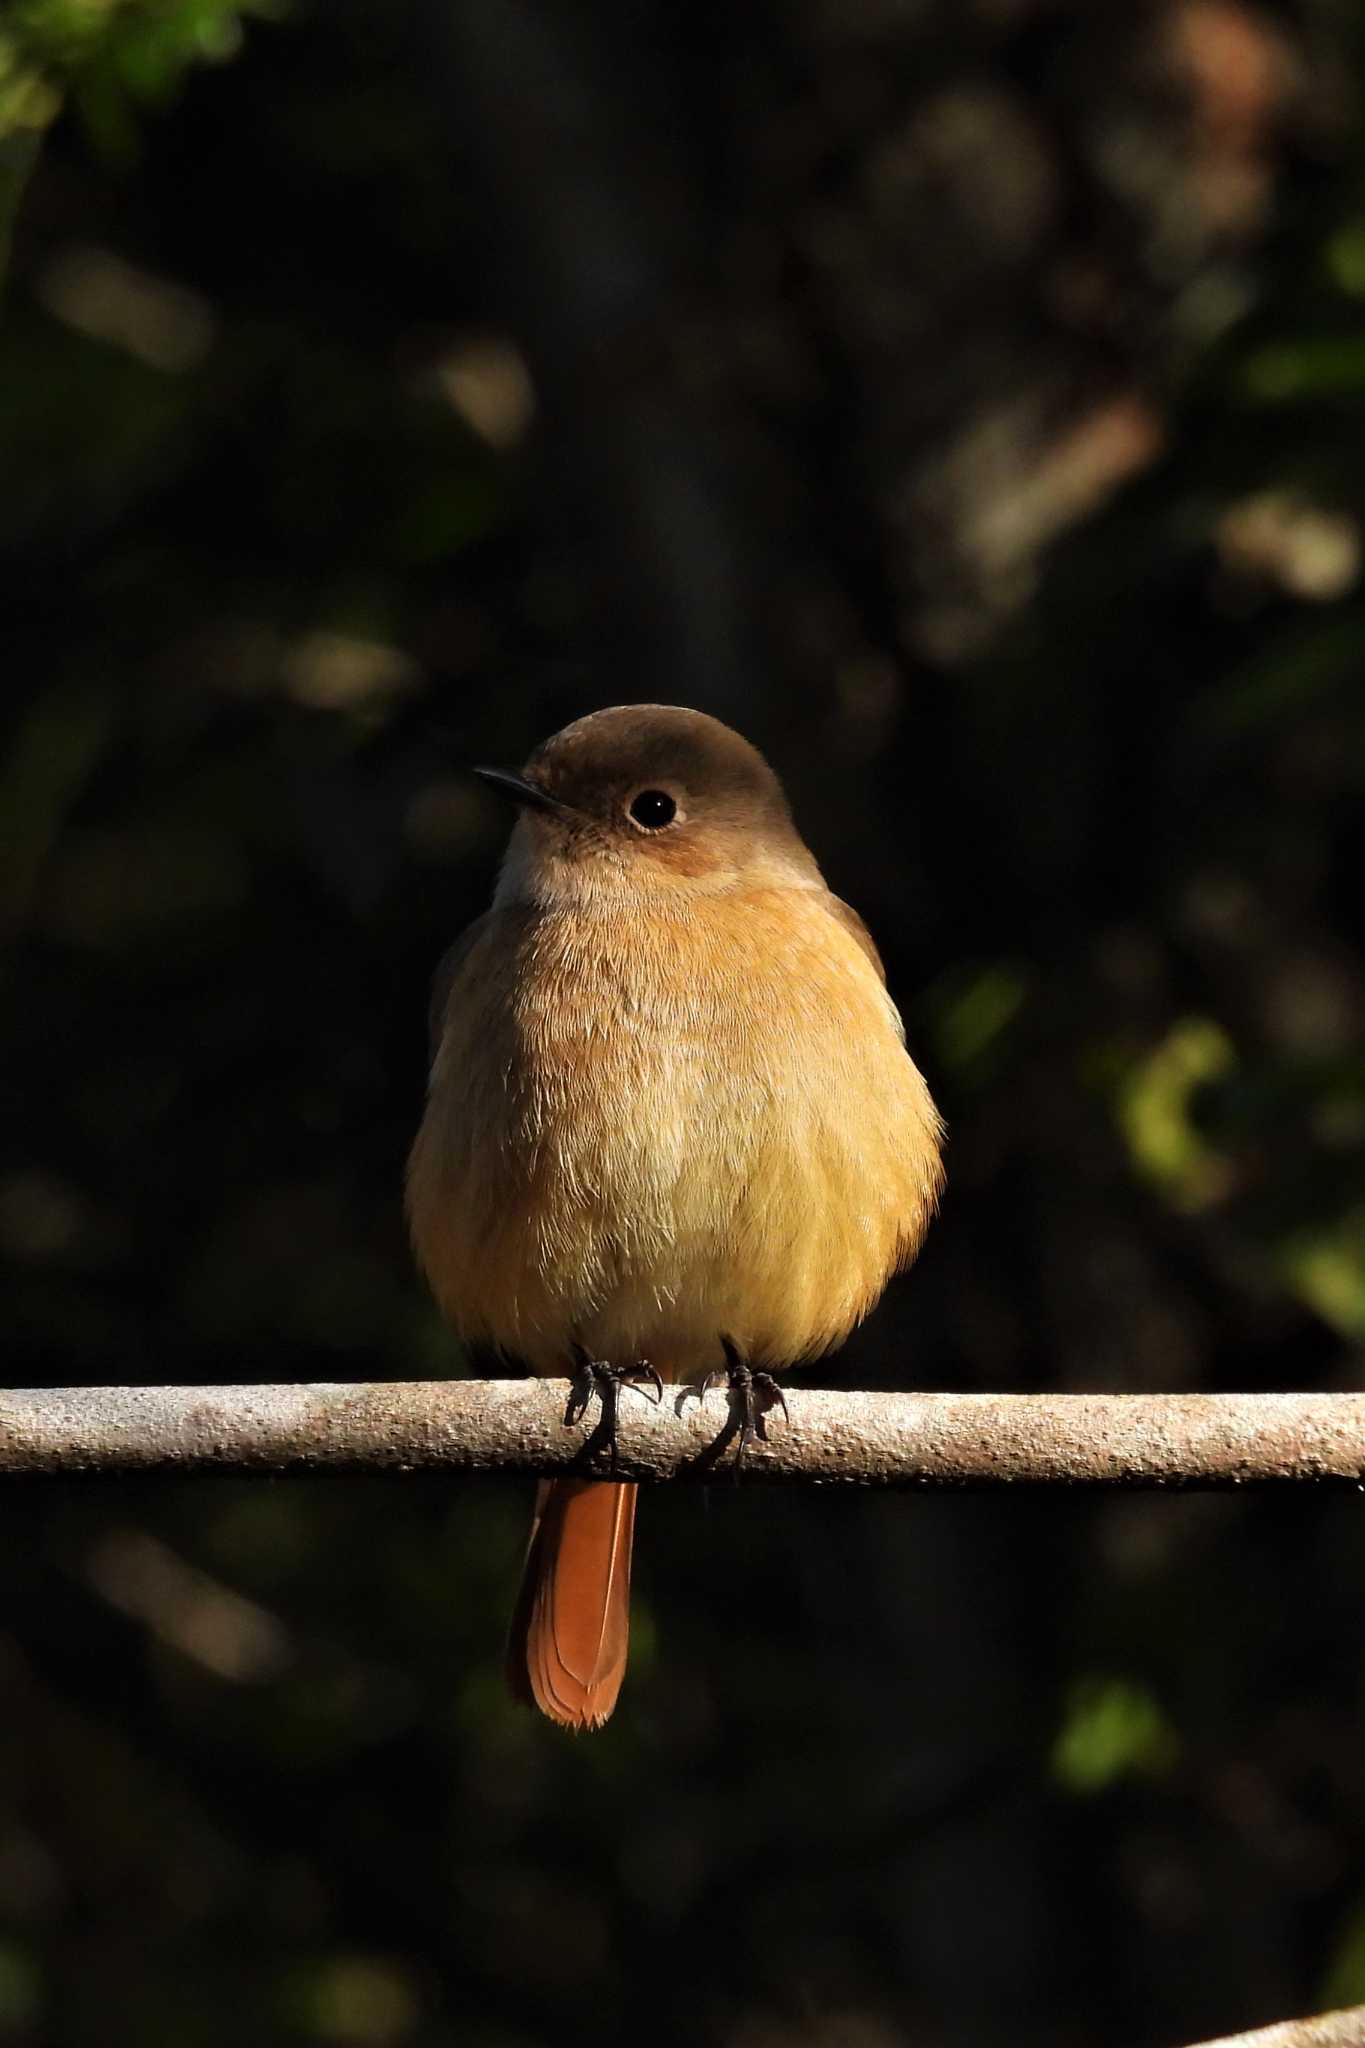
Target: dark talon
{"points": [[597, 1376], [775, 1396], [752, 1395], [642, 1370]]}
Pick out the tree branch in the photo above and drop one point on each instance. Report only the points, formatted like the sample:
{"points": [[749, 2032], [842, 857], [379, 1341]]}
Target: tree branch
{"points": [[1328, 2030], [1210, 1441]]}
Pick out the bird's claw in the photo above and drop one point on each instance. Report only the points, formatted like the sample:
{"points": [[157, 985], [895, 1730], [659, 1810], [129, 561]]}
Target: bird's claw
{"points": [[752, 1394], [635, 1375], [598, 1376]]}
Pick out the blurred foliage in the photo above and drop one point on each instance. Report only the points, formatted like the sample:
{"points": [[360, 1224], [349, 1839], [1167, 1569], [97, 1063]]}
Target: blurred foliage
{"points": [[1112, 1728], [111, 57], [967, 402], [1345, 1985], [1156, 1105]]}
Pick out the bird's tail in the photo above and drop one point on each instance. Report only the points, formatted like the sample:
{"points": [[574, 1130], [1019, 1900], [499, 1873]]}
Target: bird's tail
{"points": [[570, 1633]]}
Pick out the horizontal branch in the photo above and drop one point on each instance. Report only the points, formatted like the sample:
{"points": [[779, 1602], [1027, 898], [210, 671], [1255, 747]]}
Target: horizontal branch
{"points": [[1328, 2030], [862, 1439]]}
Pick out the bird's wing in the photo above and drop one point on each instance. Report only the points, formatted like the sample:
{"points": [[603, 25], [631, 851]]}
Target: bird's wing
{"points": [[445, 977], [847, 916]]}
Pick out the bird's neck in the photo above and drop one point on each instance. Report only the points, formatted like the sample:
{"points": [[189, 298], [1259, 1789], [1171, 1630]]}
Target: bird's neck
{"points": [[603, 884]]}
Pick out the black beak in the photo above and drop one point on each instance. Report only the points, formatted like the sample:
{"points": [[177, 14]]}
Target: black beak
{"points": [[519, 789]]}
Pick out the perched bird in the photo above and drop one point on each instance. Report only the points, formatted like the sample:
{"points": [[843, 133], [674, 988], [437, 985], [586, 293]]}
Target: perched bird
{"points": [[671, 1123]]}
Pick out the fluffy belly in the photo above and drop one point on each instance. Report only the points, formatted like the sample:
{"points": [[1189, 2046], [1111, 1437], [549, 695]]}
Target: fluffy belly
{"points": [[638, 1264], [607, 1165]]}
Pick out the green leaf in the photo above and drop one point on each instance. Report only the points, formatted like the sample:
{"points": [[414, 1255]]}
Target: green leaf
{"points": [[1113, 1729], [1154, 1108]]}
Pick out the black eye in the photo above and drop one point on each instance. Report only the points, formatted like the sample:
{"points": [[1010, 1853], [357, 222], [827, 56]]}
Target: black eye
{"points": [[653, 808]]}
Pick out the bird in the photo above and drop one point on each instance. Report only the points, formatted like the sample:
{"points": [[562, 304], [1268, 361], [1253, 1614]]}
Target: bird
{"points": [[672, 1129]]}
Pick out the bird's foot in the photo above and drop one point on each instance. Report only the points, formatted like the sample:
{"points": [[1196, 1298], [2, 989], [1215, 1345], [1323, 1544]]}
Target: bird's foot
{"points": [[752, 1395], [596, 1376]]}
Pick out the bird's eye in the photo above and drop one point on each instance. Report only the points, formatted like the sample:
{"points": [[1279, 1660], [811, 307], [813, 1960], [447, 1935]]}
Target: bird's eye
{"points": [[653, 808]]}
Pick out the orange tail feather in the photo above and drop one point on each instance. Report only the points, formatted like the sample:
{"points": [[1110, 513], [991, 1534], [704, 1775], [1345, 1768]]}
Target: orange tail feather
{"points": [[570, 1632]]}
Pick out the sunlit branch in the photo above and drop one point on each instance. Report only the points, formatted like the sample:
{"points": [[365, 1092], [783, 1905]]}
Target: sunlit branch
{"points": [[1328, 2030], [1218, 1441]]}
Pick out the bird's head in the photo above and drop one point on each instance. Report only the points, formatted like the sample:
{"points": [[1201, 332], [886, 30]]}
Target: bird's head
{"points": [[646, 797]]}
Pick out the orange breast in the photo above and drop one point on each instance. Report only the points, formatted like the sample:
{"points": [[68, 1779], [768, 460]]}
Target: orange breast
{"points": [[645, 1130]]}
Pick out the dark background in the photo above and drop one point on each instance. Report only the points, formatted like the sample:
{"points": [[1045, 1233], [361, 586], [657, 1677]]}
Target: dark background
{"points": [[968, 401]]}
